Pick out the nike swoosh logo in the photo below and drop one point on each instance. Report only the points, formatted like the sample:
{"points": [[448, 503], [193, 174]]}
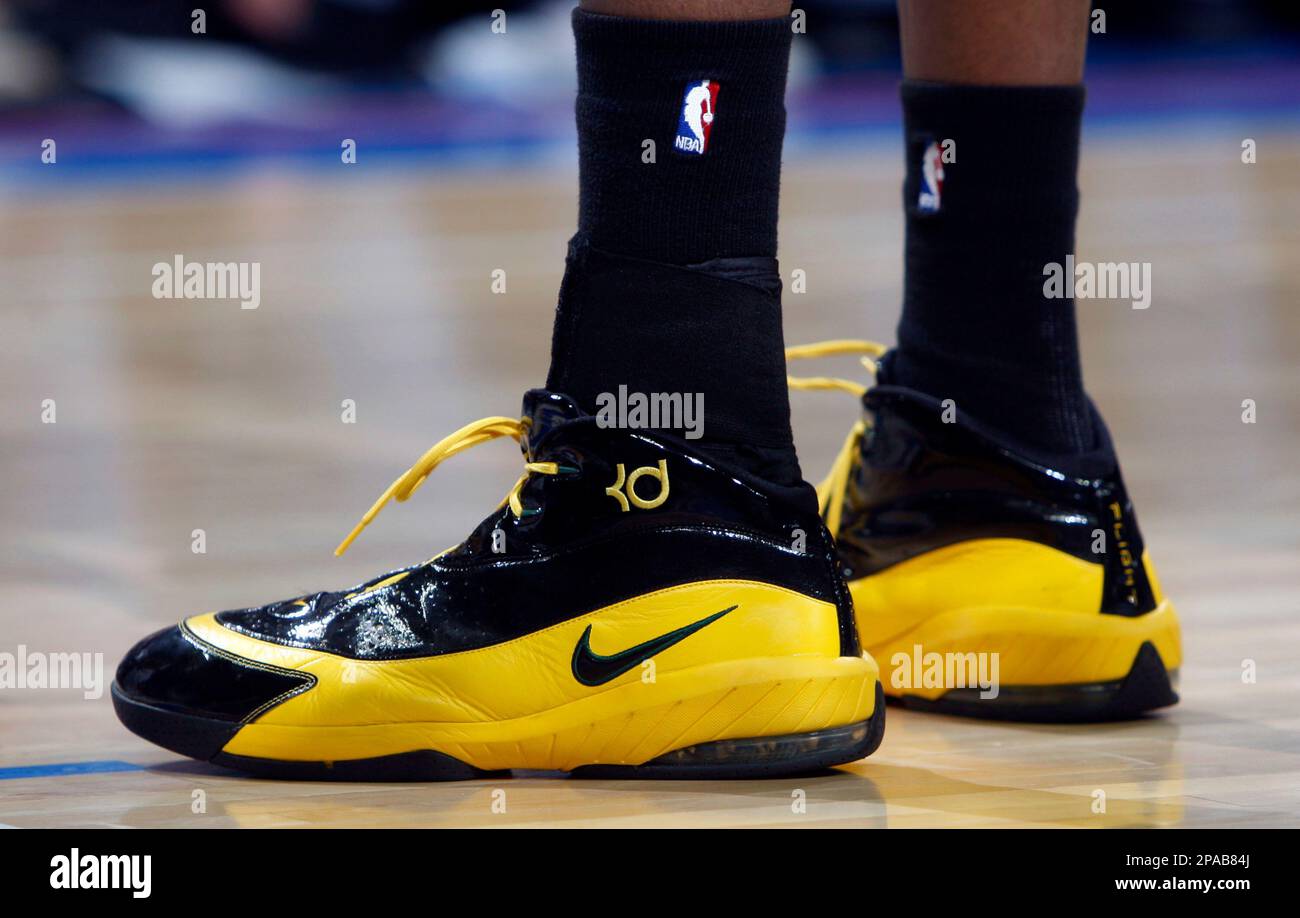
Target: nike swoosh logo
{"points": [[591, 668]]}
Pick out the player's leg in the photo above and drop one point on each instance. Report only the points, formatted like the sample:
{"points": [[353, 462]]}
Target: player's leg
{"points": [[993, 87], [672, 283], [978, 508], [646, 601]]}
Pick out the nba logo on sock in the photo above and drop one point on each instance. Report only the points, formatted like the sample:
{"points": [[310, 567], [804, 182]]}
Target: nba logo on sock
{"points": [[931, 179], [696, 121]]}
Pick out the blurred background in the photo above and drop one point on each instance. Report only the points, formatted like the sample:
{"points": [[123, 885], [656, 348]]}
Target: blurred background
{"points": [[131, 87]]}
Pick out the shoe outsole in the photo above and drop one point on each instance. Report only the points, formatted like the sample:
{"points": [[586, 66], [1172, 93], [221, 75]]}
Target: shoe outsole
{"points": [[758, 757], [1147, 686]]}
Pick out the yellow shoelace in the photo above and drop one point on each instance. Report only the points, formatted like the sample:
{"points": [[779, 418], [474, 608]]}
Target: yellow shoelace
{"points": [[830, 490], [492, 428], [870, 351], [468, 436]]}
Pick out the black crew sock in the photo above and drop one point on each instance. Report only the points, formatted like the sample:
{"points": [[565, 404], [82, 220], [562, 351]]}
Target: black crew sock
{"points": [[976, 326], [671, 284]]}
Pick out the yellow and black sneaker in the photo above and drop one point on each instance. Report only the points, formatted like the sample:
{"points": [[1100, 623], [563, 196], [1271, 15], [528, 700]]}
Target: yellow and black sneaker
{"points": [[989, 581], [632, 608]]}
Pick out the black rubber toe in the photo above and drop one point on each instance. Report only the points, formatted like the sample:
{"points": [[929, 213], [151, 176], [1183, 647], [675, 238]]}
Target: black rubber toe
{"points": [[178, 691], [185, 734]]}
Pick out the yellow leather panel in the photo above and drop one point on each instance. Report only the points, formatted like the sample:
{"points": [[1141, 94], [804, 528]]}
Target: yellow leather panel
{"points": [[771, 666], [1034, 606]]}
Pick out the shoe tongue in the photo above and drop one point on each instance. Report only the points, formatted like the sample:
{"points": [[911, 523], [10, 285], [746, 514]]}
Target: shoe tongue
{"points": [[546, 410]]}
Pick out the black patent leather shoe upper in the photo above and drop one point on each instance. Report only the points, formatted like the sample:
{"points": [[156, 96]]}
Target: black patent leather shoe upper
{"points": [[918, 483], [176, 671], [591, 534]]}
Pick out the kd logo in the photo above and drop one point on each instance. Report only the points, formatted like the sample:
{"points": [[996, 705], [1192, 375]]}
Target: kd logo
{"points": [[617, 488]]}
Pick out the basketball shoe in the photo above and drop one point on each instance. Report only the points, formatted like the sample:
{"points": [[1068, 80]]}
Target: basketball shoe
{"points": [[633, 608], [987, 580]]}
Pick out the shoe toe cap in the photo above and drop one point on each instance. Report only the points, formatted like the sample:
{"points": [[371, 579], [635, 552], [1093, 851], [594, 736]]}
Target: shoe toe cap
{"points": [[176, 671]]}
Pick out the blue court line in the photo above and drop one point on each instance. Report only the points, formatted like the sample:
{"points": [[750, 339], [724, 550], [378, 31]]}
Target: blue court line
{"points": [[67, 768]]}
